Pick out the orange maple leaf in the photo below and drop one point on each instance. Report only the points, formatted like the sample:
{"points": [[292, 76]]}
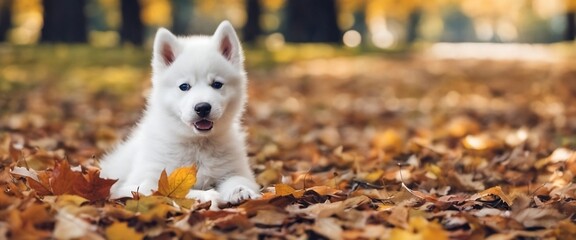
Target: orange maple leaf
{"points": [[178, 184]]}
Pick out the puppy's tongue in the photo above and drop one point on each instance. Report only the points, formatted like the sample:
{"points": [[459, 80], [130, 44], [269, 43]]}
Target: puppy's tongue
{"points": [[203, 125]]}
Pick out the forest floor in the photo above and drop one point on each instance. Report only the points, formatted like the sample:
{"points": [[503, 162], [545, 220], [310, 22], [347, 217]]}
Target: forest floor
{"points": [[403, 147]]}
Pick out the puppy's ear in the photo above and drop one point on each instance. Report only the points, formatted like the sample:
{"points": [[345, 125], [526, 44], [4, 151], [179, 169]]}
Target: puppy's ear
{"points": [[165, 50], [228, 44]]}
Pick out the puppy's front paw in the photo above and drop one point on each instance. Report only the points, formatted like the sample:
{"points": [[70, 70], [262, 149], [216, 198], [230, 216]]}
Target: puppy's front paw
{"points": [[238, 194]]}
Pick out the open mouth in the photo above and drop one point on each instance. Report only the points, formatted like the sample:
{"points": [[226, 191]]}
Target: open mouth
{"points": [[203, 125]]}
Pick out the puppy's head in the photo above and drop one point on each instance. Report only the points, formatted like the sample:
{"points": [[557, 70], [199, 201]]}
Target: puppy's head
{"points": [[199, 79]]}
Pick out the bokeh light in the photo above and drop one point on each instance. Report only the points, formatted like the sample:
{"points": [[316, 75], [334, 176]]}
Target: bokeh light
{"points": [[352, 38]]}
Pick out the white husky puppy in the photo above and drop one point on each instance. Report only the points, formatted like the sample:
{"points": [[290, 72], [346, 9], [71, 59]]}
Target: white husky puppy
{"points": [[193, 116]]}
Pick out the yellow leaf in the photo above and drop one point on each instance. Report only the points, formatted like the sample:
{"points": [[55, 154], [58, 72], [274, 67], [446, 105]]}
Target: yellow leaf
{"points": [[179, 183], [283, 189], [120, 230], [151, 208], [419, 228], [374, 176], [389, 140], [185, 202], [146, 203]]}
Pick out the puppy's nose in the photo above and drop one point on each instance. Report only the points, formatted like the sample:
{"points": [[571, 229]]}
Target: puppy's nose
{"points": [[203, 109]]}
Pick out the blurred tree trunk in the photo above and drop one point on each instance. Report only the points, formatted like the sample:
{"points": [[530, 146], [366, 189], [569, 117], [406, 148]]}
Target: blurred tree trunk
{"points": [[132, 29], [311, 21], [570, 33], [5, 18], [64, 21], [413, 23], [182, 11], [252, 29]]}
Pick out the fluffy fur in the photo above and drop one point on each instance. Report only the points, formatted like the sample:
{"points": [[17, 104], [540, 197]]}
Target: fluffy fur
{"points": [[171, 132]]}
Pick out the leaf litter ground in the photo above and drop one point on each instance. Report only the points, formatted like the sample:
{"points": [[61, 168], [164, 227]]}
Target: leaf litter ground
{"points": [[345, 148]]}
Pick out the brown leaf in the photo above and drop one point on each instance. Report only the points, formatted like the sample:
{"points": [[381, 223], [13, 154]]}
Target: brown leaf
{"points": [[15, 151], [421, 195], [535, 217], [63, 178], [399, 216], [91, 186], [228, 220], [269, 217], [42, 188], [328, 227], [497, 190]]}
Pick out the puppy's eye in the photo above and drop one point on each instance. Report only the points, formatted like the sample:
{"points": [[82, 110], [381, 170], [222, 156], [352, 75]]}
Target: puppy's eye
{"points": [[184, 86], [217, 85]]}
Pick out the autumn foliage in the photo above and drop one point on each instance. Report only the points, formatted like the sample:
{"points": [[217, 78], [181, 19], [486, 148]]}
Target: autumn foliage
{"points": [[177, 185], [347, 148], [62, 180]]}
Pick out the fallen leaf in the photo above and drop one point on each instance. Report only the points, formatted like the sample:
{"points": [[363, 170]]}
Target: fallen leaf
{"points": [[421, 195], [22, 171], [179, 183], [399, 216], [497, 190], [121, 231], [269, 218], [477, 142], [91, 186], [389, 140], [69, 226], [228, 220], [63, 178], [283, 189], [328, 227], [42, 187], [374, 176], [151, 208], [537, 217], [561, 155], [419, 228]]}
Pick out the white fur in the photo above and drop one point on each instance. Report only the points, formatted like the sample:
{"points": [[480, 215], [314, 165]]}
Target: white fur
{"points": [[165, 137]]}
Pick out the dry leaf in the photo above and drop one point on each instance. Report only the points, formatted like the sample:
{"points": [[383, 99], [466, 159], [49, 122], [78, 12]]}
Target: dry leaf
{"points": [[179, 183], [419, 228], [283, 189], [121, 231], [63, 178], [389, 140], [497, 190], [69, 226], [328, 227], [41, 187], [269, 218], [92, 187], [151, 208]]}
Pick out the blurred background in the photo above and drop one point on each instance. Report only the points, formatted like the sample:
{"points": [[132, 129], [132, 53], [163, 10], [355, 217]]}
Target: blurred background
{"points": [[379, 24]]}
